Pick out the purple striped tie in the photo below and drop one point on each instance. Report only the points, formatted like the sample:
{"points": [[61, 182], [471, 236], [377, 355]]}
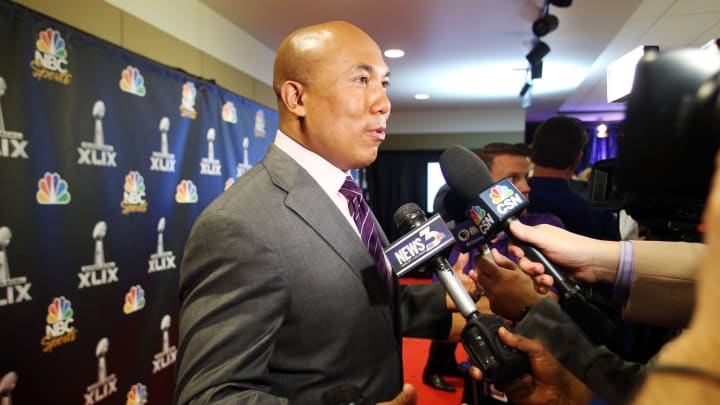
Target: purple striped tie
{"points": [[360, 213]]}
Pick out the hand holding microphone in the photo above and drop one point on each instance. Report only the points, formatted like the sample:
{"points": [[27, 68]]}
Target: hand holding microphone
{"points": [[493, 207], [480, 335]]}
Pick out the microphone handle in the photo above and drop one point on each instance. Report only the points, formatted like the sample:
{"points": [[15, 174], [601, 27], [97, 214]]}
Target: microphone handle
{"points": [[566, 288], [453, 286], [596, 324]]}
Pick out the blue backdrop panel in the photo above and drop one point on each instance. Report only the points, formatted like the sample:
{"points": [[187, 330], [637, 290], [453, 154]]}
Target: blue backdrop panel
{"points": [[106, 159]]}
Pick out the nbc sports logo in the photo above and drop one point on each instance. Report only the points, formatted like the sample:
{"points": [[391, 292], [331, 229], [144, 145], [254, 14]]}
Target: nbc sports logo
{"points": [[51, 57]]}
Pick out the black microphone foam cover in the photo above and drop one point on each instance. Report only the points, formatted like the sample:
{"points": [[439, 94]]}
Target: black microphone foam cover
{"points": [[464, 171], [408, 216]]}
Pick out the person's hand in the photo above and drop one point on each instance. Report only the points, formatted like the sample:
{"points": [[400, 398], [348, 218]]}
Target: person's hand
{"points": [[585, 260], [467, 282], [408, 396], [509, 290], [550, 384]]}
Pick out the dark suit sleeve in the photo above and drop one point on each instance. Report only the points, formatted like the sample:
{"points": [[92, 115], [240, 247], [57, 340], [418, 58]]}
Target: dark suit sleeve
{"points": [[225, 346], [424, 311], [605, 372]]}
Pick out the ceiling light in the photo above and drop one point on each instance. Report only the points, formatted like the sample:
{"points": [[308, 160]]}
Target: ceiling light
{"points": [[537, 52], [712, 45], [526, 95], [620, 73], [601, 131], [394, 53], [422, 96], [544, 25], [561, 3]]}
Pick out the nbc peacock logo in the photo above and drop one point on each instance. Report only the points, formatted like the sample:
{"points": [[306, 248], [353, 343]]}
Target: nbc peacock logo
{"points": [[52, 190], [134, 194], [59, 329], [229, 112], [477, 214], [499, 193], [187, 105], [134, 300], [186, 192], [51, 57], [229, 182], [137, 395], [131, 81]]}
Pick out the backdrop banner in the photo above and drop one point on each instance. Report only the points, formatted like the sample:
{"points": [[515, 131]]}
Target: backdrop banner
{"points": [[106, 159]]}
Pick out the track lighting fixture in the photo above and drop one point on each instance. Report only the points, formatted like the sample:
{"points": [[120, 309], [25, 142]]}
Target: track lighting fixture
{"points": [[544, 25], [536, 70], [538, 51], [561, 3], [526, 94]]}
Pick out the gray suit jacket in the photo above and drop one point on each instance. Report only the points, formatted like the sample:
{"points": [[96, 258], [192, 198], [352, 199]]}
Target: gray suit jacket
{"points": [[281, 300]]}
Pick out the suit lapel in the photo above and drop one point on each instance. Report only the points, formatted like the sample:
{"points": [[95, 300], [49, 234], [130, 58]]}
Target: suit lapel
{"points": [[309, 201]]}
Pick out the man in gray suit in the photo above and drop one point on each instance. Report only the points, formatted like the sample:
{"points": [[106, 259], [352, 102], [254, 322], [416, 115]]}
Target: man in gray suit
{"points": [[281, 301]]}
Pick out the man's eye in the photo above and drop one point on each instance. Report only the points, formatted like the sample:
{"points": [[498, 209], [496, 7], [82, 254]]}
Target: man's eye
{"points": [[386, 84], [363, 79]]}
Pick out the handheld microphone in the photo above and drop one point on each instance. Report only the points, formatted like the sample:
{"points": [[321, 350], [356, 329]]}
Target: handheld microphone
{"points": [[497, 361], [493, 206]]}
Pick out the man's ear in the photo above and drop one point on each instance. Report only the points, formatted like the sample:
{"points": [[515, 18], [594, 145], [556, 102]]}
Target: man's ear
{"points": [[292, 94]]}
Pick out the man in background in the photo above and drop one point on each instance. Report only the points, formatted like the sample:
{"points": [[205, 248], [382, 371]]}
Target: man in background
{"points": [[556, 151]]}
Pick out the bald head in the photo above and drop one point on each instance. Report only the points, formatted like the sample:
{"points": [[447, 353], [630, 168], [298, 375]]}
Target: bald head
{"points": [[305, 50]]}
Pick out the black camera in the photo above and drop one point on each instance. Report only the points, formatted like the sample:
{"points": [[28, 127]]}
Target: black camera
{"points": [[667, 146]]}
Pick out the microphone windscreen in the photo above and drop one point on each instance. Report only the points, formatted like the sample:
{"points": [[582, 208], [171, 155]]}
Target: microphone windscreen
{"points": [[408, 216], [464, 171]]}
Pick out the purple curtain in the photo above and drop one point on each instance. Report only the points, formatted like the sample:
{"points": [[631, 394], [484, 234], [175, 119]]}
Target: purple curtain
{"points": [[599, 148]]}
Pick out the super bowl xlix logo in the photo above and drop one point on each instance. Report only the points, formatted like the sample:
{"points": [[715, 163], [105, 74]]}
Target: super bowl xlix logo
{"points": [[12, 144], [106, 384], [100, 272], [161, 259], [167, 356], [97, 152], [12, 290]]}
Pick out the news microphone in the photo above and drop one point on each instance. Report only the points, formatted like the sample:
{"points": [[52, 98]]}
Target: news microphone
{"points": [[497, 361], [493, 206]]}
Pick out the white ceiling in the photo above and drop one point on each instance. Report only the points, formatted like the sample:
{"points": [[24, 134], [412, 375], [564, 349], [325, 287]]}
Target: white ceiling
{"points": [[470, 54]]}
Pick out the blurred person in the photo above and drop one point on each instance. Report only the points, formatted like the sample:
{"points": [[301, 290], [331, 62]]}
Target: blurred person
{"points": [[556, 151], [281, 300]]}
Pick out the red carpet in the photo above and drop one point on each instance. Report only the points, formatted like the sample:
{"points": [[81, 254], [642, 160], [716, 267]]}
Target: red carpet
{"points": [[415, 353]]}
